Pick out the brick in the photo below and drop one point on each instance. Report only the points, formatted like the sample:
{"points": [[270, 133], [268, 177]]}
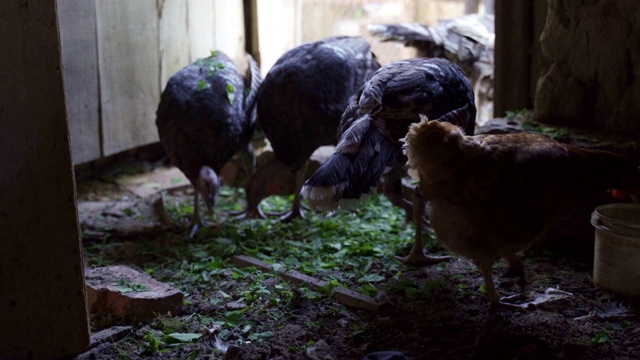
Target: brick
{"points": [[104, 296]]}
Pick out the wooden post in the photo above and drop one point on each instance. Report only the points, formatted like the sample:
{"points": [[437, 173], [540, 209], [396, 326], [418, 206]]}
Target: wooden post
{"points": [[42, 297], [252, 39], [518, 27], [512, 58]]}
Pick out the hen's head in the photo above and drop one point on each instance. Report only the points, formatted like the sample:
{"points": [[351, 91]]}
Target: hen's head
{"points": [[629, 186], [431, 134], [208, 185]]}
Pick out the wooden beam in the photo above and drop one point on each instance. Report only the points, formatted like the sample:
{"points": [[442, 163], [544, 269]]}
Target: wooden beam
{"points": [[514, 36], [342, 295], [42, 297], [252, 39]]}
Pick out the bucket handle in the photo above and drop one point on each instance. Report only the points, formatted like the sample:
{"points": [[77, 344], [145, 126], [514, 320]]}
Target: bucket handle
{"points": [[620, 229]]}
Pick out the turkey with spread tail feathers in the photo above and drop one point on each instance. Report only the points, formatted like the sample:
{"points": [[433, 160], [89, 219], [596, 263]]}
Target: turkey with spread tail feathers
{"points": [[299, 106], [372, 129], [205, 116], [493, 196]]}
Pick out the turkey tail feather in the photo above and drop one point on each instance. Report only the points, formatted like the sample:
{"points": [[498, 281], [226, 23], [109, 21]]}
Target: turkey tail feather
{"points": [[362, 156], [252, 83]]}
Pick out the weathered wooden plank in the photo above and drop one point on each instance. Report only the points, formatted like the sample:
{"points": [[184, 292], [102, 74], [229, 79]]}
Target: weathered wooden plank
{"points": [[342, 295], [77, 20], [174, 38], [201, 28], [229, 27], [278, 19], [129, 72]]}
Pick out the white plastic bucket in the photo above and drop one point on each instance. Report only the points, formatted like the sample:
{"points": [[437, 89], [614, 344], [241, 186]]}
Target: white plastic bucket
{"points": [[616, 263]]}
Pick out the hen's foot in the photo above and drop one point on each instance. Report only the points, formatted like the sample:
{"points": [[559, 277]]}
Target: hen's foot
{"points": [[493, 308], [420, 259], [508, 303]]}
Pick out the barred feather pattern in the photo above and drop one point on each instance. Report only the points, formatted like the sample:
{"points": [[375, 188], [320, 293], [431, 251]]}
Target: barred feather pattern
{"points": [[372, 128]]}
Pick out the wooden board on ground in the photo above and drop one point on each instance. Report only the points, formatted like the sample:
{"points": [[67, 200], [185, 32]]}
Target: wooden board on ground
{"points": [[125, 218], [147, 184], [342, 295]]}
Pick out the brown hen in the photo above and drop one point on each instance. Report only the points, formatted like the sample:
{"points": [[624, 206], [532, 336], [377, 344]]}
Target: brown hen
{"points": [[493, 196]]}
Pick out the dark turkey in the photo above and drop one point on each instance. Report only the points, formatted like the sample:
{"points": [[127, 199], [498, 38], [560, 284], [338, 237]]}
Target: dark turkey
{"points": [[466, 40], [299, 106], [206, 115], [372, 128]]}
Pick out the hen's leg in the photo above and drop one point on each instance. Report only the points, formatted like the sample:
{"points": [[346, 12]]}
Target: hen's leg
{"points": [[392, 187], [494, 298], [296, 209], [515, 268], [416, 256]]}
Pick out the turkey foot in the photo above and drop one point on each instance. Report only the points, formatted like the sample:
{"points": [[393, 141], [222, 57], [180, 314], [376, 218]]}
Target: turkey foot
{"points": [[417, 257], [255, 213]]}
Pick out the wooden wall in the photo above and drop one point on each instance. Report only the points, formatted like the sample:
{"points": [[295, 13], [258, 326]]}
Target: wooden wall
{"points": [[118, 55]]}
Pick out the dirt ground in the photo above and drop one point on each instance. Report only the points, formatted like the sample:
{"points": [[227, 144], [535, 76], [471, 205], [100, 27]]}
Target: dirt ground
{"points": [[447, 319]]}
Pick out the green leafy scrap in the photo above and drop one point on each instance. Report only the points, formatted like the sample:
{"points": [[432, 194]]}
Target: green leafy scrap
{"points": [[203, 85], [231, 90], [125, 286]]}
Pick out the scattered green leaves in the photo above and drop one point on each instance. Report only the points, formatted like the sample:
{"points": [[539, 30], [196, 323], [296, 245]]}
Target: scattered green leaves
{"points": [[348, 249], [165, 341], [600, 338], [125, 285]]}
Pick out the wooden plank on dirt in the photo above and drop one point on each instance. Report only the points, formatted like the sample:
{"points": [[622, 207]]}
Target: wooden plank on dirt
{"points": [[77, 23], [129, 72], [342, 295], [174, 38], [201, 28]]}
